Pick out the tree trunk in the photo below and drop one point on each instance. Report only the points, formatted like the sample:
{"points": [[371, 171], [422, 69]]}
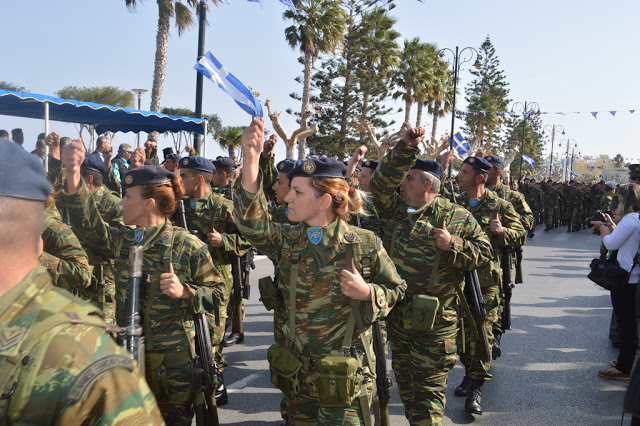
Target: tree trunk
{"points": [[306, 96], [407, 111], [419, 115], [434, 126], [289, 151], [231, 151], [162, 41]]}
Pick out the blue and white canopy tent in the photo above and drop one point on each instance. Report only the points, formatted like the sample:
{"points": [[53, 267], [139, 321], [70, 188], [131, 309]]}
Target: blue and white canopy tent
{"points": [[105, 118]]}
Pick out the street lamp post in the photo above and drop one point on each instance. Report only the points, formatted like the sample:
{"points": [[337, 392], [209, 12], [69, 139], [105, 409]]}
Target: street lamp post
{"points": [[526, 109], [552, 128], [568, 142], [139, 92], [459, 58], [199, 82], [572, 151]]}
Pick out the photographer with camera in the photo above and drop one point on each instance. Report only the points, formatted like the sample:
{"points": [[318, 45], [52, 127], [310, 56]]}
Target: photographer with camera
{"points": [[625, 239]]}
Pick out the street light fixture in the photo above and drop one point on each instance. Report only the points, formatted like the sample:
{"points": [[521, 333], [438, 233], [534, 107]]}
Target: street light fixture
{"points": [[568, 143], [459, 58], [139, 92], [526, 109], [552, 128]]}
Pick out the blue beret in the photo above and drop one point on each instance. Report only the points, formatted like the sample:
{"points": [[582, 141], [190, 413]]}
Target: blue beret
{"points": [[21, 174], [225, 163], [94, 162], [197, 163], [429, 166], [493, 159], [611, 186], [286, 165], [358, 166], [148, 163], [146, 175], [319, 167], [634, 170], [370, 164], [173, 157], [478, 163]]}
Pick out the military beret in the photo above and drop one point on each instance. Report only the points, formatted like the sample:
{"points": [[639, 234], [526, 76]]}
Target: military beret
{"points": [[146, 175], [634, 170], [358, 166], [173, 157], [197, 163], [167, 151], [493, 159], [319, 167], [286, 165], [611, 186], [370, 164], [225, 163], [478, 163], [21, 174], [94, 162], [429, 166], [148, 163]]}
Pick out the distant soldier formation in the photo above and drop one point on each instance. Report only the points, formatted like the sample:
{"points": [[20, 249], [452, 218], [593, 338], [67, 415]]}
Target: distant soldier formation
{"points": [[113, 253]]}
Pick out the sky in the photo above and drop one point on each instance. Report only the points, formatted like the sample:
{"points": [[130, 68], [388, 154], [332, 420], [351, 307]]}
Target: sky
{"points": [[567, 56]]}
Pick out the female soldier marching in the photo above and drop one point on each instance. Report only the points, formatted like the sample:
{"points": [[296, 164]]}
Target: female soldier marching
{"points": [[180, 279], [326, 367]]}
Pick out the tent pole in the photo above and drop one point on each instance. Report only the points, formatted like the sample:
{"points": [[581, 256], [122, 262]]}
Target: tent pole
{"points": [[204, 141], [46, 133]]}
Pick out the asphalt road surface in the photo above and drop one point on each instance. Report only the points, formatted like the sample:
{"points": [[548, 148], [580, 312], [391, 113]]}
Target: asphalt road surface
{"points": [[546, 375]]}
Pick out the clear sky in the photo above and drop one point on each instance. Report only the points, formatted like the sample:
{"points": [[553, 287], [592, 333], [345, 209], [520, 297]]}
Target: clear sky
{"points": [[568, 56]]}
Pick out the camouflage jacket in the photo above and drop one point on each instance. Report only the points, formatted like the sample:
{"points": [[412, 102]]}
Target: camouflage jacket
{"points": [[269, 177], [279, 213], [108, 203], [408, 236], [486, 210], [518, 202], [605, 203], [79, 375], [63, 255], [369, 220], [321, 310], [167, 322], [226, 190]]}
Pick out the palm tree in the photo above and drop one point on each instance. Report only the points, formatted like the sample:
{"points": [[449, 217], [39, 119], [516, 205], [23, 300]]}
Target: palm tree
{"points": [[425, 82], [229, 138], [318, 27], [408, 72], [618, 160], [440, 98], [167, 9]]}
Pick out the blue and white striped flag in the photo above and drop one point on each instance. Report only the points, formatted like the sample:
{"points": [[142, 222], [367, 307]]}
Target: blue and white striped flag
{"points": [[288, 3], [528, 160], [460, 145], [209, 66]]}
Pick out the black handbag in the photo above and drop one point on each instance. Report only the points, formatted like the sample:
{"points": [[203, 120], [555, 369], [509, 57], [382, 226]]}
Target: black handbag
{"points": [[608, 274]]}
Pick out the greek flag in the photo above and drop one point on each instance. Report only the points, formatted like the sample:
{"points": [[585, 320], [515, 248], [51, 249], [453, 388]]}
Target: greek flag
{"points": [[288, 3], [460, 145], [528, 160], [209, 66]]}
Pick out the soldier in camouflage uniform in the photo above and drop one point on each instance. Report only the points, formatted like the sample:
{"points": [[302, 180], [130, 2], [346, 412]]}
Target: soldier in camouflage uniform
{"points": [[209, 216], [550, 202], [605, 201], [57, 363], [432, 242], [180, 279], [102, 291], [502, 225], [369, 219], [322, 263], [63, 255]]}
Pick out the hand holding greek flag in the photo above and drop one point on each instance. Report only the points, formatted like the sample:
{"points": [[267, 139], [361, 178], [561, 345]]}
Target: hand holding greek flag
{"points": [[209, 66], [528, 160]]}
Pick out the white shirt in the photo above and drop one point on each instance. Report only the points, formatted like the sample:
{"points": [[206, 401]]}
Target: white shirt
{"points": [[626, 239]]}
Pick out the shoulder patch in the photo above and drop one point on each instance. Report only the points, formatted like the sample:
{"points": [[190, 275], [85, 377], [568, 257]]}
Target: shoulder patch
{"points": [[93, 371]]}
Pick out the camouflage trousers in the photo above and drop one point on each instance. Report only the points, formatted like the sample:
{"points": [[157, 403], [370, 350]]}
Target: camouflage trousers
{"points": [[175, 396], [304, 409], [549, 214], [421, 361], [573, 216], [217, 335], [235, 312], [474, 367], [104, 297]]}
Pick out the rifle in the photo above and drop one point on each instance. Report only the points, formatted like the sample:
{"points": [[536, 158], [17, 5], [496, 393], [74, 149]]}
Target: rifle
{"points": [[240, 267], [205, 378], [183, 215], [507, 287], [133, 338], [383, 381], [478, 313], [247, 265]]}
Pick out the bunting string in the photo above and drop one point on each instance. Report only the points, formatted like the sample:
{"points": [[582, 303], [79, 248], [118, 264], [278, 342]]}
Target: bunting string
{"points": [[594, 114]]}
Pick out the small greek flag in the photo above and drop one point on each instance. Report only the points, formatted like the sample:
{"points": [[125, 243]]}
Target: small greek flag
{"points": [[460, 145], [528, 160], [209, 66], [288, 3]]}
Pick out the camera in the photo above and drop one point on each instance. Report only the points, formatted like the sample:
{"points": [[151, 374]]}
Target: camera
{"points": [[597, 216]]}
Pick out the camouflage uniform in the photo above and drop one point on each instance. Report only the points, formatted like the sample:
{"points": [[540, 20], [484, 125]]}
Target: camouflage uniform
{"points": [[103, 288], [369, 220], [168, 327], [422, 359], [203, 215], [518, 202], [550, 204], [63, 255], [605, 203], [321, 310], [79, 374], [490, 276]]}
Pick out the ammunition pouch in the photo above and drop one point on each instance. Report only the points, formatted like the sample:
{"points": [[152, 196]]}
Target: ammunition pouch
{"points": [[269, 293], [424, 311], [156, 365], [339, 381], [284, 366]]}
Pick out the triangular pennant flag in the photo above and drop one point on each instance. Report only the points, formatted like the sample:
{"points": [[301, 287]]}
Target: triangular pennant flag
{"points": [[613, 113], [632, 111], [483, 112], [595, 114]]}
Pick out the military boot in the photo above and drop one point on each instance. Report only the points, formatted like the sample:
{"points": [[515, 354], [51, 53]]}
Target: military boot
{"points": [[222, 398], [496, 352], [548, 228], [472, 403], [569, 229], [463, 389]]}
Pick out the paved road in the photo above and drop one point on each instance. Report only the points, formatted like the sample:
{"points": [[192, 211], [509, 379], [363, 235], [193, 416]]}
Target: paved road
{"points": [[547, 374]]}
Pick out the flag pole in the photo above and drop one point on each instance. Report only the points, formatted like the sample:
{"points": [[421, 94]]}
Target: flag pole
{"points": [[197, 142]]}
